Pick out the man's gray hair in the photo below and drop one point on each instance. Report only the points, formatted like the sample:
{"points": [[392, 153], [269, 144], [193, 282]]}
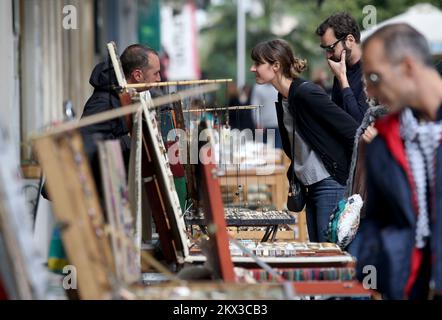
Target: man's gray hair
{"points": [[400, 40]]}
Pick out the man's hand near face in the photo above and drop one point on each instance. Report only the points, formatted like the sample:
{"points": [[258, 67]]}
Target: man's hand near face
{"points": [[339, 69]]}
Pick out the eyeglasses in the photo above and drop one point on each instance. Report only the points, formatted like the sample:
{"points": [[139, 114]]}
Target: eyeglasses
{"points": [[374, 78], [331, 48]]}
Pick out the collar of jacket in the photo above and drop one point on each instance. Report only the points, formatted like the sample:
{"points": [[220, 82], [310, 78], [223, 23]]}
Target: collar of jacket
{"points": [[292, 90], [389, 130]]}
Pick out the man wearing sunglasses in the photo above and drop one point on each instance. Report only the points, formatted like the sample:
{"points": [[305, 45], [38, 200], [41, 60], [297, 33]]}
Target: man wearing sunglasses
{"points": [[340, 39], [401, 234]]}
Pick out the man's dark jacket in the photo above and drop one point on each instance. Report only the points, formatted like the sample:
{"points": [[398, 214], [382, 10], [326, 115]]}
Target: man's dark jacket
{"points": [[387, 234], [104, 98], [352, 99]]}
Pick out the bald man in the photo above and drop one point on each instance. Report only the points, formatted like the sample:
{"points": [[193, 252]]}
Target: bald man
{"points": [[402, 233], [140, 64]]}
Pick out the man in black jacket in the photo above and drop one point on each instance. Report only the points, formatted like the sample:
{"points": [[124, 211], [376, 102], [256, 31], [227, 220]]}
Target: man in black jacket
{"points": [[140, 64], [340, 38]]}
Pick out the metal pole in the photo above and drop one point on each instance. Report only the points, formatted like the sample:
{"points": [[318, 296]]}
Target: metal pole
{"points": [[241, 43]]}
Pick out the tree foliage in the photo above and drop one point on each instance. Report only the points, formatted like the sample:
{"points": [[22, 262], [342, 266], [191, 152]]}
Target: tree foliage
{"points": [[218, 38]]}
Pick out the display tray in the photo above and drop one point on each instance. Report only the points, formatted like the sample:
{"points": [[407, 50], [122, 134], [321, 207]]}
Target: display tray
{"points": [[283, 253], [246, 217]]}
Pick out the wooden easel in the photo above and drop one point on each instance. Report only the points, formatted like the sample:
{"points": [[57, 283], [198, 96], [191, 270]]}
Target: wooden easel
{"points": [[78, 212], [150, 173], [217, 228]]}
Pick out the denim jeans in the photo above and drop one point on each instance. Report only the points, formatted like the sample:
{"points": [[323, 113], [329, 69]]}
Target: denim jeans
{"points": [[322, 198], [353, 247]]}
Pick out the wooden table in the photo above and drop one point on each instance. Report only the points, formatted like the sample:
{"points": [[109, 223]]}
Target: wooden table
{"points": [[277, 180], [270, 224]]}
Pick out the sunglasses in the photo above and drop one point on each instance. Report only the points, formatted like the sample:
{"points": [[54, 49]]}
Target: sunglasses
{"points": [[331, 48]]}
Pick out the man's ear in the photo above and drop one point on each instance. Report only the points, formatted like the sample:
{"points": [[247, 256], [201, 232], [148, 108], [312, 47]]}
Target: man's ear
{"points": [[350, 41], [137, 75], [409, 66]]}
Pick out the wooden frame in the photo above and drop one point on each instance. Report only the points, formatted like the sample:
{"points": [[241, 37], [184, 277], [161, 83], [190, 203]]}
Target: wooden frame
{"points": [[160, 187], [78, 212], [118, 212], [213, 206]]}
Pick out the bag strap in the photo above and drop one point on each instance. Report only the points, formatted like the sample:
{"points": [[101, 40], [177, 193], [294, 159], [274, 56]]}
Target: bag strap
{"points": [[294, 178]]}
